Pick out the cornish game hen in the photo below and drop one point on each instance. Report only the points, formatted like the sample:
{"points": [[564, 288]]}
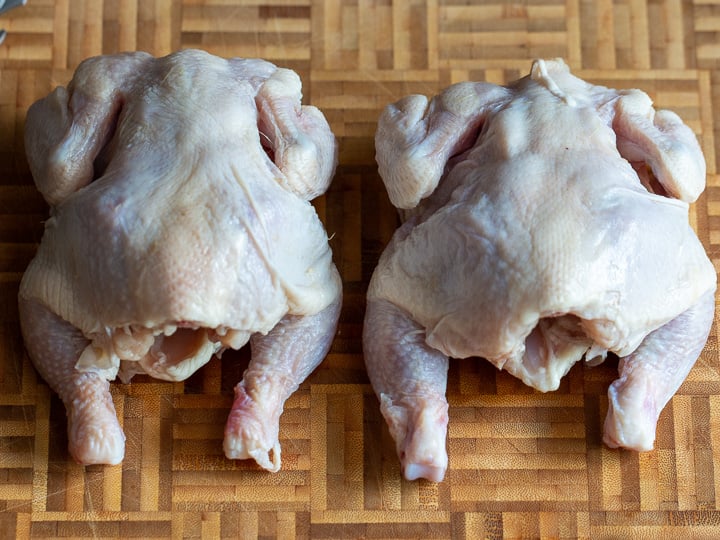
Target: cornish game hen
{"points": [[544, 222], [180, 227]]}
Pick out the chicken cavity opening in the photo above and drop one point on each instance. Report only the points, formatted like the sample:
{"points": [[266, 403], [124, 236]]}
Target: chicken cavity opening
{"points": [[172, 352], [176, 356], [179, 346], [551, 349]]}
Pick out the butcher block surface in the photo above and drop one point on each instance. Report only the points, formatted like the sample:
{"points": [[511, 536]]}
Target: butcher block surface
{"points": [[522, 464]]}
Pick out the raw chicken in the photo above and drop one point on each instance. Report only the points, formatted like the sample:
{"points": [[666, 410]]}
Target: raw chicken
{"points": [[545, 221], [180, 226]]}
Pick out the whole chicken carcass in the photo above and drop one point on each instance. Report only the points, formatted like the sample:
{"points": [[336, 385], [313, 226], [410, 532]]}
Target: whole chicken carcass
{"points": [[180, 227], [545, 222]]}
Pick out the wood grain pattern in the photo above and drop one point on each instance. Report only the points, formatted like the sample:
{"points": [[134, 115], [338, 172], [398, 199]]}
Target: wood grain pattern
{"points": [[522, 464]]}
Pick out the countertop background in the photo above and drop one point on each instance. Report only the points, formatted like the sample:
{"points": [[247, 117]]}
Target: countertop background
{"points": [[522, 464]]}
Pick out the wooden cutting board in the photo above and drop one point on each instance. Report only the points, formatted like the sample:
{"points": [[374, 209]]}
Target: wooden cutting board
{"points": [[522, 464]]}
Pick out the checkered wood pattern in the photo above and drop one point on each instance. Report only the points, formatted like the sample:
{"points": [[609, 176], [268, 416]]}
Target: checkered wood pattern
{"points": [[522, 464]]}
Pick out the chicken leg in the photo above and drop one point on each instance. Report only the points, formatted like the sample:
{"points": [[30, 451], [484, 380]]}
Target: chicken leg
{"points": [[280, 361], [410, 379], [651, 375], [94, 433]]}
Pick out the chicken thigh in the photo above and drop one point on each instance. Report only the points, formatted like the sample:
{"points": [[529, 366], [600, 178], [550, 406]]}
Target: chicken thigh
{"points": [[544, 222], [180, 227]]}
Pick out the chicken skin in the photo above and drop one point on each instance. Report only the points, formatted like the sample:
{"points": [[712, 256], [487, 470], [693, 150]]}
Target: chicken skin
{"points": [[544, 222], [180, 227]]}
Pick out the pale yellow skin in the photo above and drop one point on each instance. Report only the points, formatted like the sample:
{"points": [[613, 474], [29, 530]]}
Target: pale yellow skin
{"points": [[534, 236], [180, 226]]}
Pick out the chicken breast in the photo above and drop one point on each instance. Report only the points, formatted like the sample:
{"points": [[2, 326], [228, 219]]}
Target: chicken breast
{"points": [[180, 226], [545, 222]]}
